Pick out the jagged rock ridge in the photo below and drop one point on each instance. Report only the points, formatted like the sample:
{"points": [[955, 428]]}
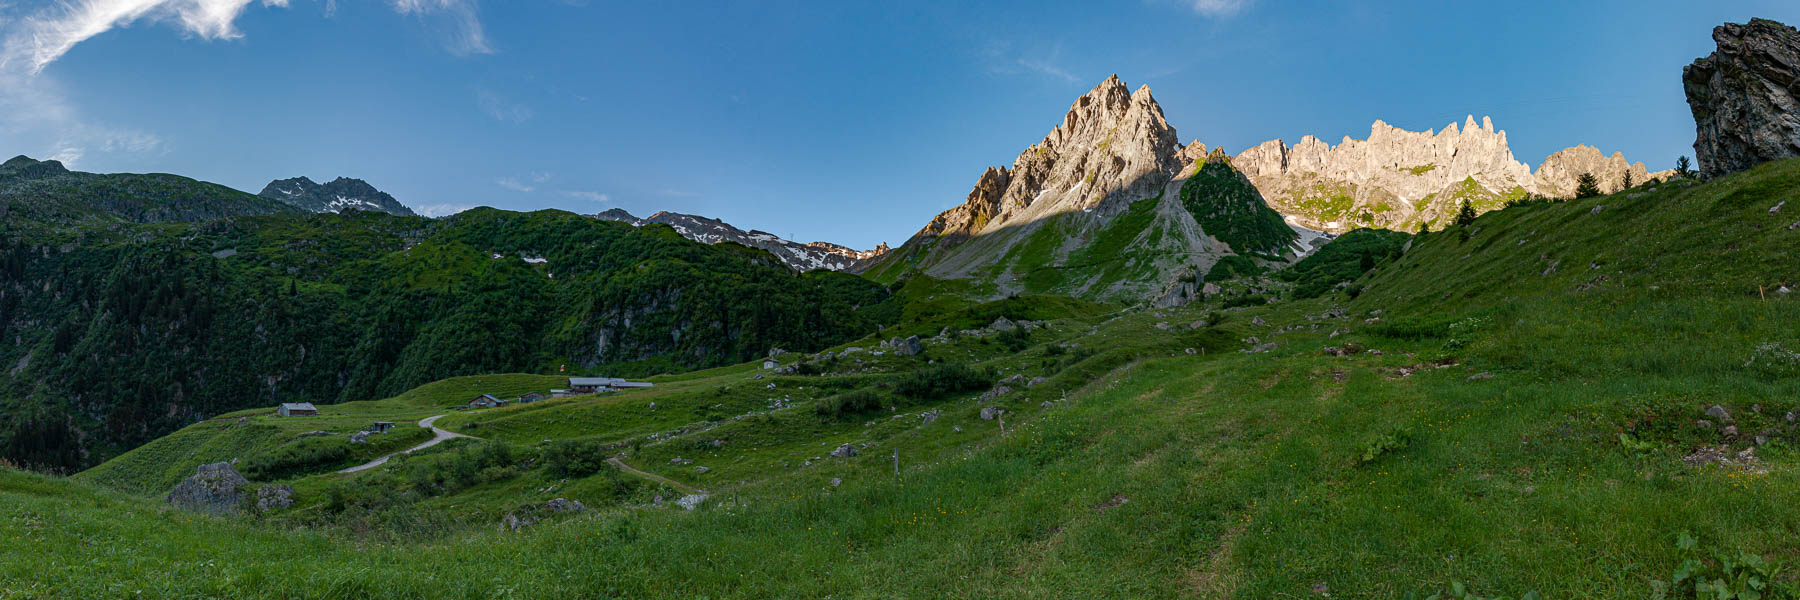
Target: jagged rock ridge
{"points": [[1093, 210], [1398, 179], [1746, 97], [800, 257], [338, 195]]}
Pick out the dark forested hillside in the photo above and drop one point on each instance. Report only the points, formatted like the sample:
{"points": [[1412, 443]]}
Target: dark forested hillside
{"points": [[140, 329]]}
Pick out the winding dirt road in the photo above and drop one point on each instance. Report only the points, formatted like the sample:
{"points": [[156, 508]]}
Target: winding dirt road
{"points": [[438, 436]]}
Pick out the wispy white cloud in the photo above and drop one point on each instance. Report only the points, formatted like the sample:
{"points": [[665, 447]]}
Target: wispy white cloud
{"points": [[40, 39], [441, 210], [514, 184], [37, 117], [467, 34], [1219, 8], [595, 197], [1045, 68], [502, 109], [1002, 59]]}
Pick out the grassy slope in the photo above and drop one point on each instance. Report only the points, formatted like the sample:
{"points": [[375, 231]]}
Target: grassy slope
{"points": [[1163, 473]]}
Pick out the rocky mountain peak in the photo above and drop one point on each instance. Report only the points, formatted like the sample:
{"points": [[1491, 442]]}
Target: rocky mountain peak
{"points": [[1746, 97], [24, 167], [1113, 146], [706, 230], [340, 194]]}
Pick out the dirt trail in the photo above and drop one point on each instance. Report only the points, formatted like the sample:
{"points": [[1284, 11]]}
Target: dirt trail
{"points": [[438, 436], [657, 478]]}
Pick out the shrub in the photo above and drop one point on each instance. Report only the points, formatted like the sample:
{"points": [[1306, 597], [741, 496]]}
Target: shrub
{"points": [[850, 403], [575, 458], [298, 457], [941, 379], [1015, 339]]}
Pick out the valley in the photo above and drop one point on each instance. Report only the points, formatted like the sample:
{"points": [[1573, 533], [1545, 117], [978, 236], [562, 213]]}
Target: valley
{"points": [[1406, 366]]}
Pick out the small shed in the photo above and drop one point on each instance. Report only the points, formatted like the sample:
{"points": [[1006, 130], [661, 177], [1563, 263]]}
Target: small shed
{"points": [[486, 401], [770, 363], [531, 397], [560, 393], [297, 409], [381, 426]]}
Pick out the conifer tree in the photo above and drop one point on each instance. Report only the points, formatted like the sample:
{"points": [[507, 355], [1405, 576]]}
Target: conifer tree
{"points": [[1587, 186]]}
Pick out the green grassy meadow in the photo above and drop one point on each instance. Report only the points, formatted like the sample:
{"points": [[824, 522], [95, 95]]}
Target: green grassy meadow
{"points": [[1513, 413]]}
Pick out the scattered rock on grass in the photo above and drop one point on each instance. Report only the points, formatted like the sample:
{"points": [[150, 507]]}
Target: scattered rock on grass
{"points": [[844, 451], [212, 489], [1480, 377], [274, 497], [1719, 413], [564, 505], [989, 413]]}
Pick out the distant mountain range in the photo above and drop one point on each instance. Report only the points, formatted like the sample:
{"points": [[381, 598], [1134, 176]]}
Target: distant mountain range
{"points": [[339, 195], [1399, 179], [796, 255]]}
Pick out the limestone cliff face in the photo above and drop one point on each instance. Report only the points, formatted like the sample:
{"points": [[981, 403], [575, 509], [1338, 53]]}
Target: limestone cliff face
{"points": [[1399, 179], [1093, 210], [1746, 97], [1558, 175], [1112, 146]]}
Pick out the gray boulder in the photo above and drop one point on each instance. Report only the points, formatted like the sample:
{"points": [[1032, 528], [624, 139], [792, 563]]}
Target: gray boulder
{"points": [[1718, 413], [274, 497], [844, 451], [1746, 97], [989, 413], [910, 346], [564, 505], [212, 489], [1002, 324], [998, 391]]}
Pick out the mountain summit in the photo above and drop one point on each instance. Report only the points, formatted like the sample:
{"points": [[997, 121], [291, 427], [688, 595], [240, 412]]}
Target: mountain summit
{"points": [[1098, 209], [340, 194]]}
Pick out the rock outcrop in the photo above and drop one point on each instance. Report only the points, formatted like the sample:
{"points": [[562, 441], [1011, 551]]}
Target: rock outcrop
{"points": [[1113, 145], [212, 489], [1746, 97], [1092, 210], [339, 195], [1399, 179], [1559, 175]]}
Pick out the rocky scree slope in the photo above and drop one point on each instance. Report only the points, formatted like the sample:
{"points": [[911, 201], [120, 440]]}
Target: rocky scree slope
{"points": [[1746, 97], [1094, 210], [339, 195], [797, 256]]}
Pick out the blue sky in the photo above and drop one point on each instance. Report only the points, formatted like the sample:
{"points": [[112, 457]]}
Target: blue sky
{"points": [[852, 122]]}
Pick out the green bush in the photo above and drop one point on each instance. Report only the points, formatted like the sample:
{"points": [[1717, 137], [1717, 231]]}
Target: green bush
{"points": [[850, 403], [941, 379], [575, 458], [298, 457], [1232, 267]]}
